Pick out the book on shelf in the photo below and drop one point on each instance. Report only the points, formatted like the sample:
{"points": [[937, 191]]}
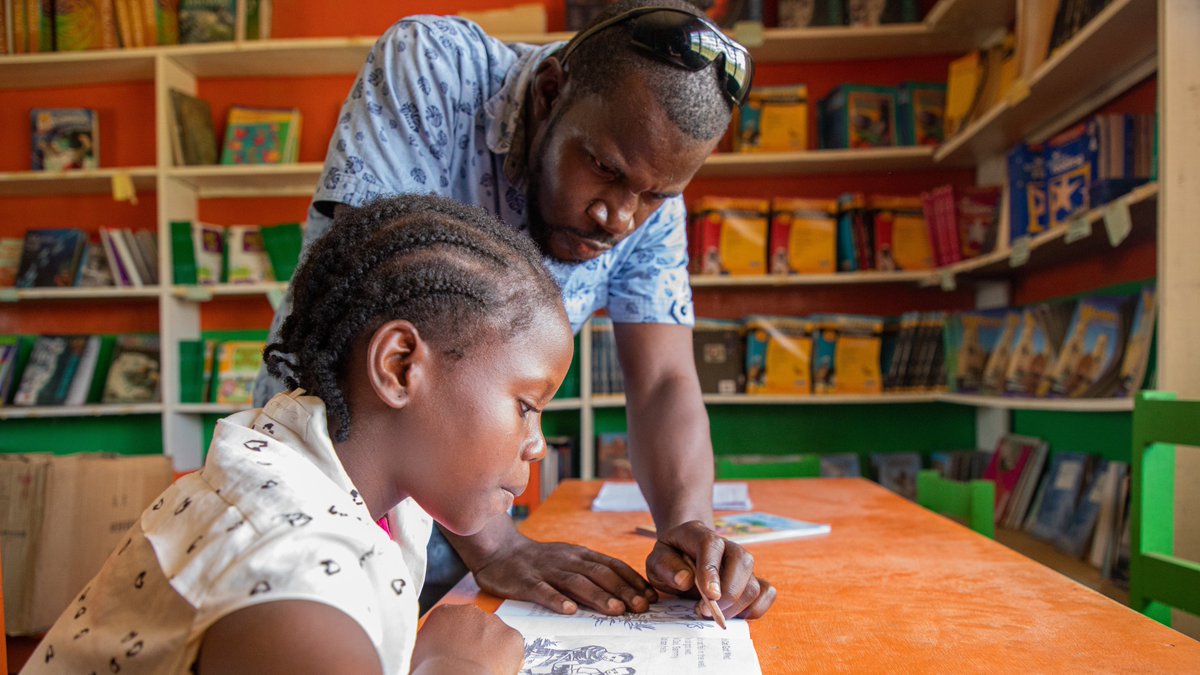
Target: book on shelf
{"points": [[50, 258], [84, 24], [1088, 362], [50, 371], [718, 348], [756, 528], [261, 136], [193, 141], [778, 355], [247, 261], [729, 236], [606, 369], [1074, 538], [10, 347], [841, 465], [897, 471], [237, 367], [1035, 346], [1026, 487], [64, 138], [900, 237], [558, 464], [134, 375], [1136, 359], [10, 260], [846, 353], [1007, 470], [971, 337], [802, 236], [94, 271], [207, 21], [1059, 491], [282, 243], [612, 456], [209, 252]]}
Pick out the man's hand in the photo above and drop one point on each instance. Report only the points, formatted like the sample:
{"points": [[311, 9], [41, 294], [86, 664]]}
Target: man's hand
{"points": [[726, 571], [561, 577]]}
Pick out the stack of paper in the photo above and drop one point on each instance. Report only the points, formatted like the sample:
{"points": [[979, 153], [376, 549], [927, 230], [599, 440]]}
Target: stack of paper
{"points": [[627, 497], [669, 638]]}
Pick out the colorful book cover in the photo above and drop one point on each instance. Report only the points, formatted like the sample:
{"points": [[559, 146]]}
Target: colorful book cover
{"points": [[261, 136], [773, 119], [283, 243], [851, 214], [52, 363], [901, 234], [920, 113], [1032, 355], [94, 271], [732, 235], [1074, 538], [1071, 159], [803, 236], [248, 263], [1137, 349], [897, 471], [237, 368], [1088, 361], [858, 116], [979, 334], [854, 343], [209, 247], [134, 374], [84, 24], [753, 528], [1063, 483], [778, 355], [1008, 461], [997, 364], [718, 350], [50, 258], [9, 348], [11, 249], [612, 456], [978, 212], [1028, 206], [207, 20], [64, 138]]}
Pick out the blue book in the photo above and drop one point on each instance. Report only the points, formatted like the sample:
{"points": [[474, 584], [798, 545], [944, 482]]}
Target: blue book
{"points": [[51, 258], [897, 472], [840, 465], [1074, 538], [1059, 492], [1027, 192], [1072, 167]]}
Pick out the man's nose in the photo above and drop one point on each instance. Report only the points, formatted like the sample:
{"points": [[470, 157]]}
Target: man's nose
{"points": [[614, 215]]}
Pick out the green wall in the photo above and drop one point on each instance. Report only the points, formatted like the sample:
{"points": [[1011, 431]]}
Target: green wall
{"points": [[126, 435]]}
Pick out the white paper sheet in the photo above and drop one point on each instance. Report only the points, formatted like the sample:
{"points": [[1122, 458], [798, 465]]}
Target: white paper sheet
{"points": [[669, 638], [628, 497]]}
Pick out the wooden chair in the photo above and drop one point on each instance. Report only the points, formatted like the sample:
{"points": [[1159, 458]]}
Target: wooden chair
{"points": [[1158, 580], [973, 502], [804, 466]]}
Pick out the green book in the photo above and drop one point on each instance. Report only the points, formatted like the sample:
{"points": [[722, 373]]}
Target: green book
{"points": [[283, 248], [183, 252]]}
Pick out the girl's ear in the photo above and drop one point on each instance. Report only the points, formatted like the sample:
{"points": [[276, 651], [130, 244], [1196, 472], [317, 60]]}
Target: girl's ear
{"points": [[394, 352], [548, 83]]}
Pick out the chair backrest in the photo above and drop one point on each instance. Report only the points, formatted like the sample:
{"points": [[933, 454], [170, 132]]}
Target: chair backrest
{"points": [[807, 466], [974, 502], [1158, 580]]}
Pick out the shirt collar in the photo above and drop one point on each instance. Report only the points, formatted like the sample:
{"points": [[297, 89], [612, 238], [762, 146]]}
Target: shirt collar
{"points": [[299, 422], [505, 111]]}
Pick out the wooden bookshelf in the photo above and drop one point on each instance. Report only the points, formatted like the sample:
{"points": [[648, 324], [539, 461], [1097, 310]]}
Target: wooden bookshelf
{"points": [[1055, 404], [81, 181], [93, 410], [817, 162], [206, 292], [272, 180], [778, 280], [100, 293], [1074, 568]]}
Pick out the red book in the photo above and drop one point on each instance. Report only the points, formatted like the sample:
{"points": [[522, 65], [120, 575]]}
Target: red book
{"points": [[1008, 461], [931, 216]]}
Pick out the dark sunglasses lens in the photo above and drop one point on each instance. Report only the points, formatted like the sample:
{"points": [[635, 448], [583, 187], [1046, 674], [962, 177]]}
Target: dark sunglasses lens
{"points": [[693, 44]]}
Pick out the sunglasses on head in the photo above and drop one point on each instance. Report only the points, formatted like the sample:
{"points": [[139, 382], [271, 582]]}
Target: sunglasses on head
{"points": [[684, 39]]}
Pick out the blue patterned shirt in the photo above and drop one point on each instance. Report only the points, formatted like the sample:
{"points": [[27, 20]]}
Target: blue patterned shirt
{"points": [[435, 110]]}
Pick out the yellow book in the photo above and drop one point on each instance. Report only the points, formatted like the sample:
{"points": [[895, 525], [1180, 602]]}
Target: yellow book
{"points": [[803, 236], [731, 236], [774, 119], [778, 355], [901, 234], [962, 89]]}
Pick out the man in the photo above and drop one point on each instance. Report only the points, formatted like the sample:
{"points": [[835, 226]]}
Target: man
{"points": [[588, 148]]}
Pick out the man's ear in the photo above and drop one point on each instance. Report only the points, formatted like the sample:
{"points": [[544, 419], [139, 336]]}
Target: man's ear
{"points": [[395, 351], [549, 80]]}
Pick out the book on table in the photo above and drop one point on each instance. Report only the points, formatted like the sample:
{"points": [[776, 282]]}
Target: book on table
{"points": [[753, 528]]}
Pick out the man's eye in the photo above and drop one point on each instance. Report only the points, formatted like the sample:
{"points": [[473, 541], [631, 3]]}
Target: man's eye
{"points": [[603, 168]]}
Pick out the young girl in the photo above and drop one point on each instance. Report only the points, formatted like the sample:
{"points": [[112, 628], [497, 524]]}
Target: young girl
{"points": [[427, 340]]}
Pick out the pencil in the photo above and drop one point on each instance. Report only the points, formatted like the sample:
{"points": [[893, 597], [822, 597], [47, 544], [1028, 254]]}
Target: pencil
{"points": [[712, 604]]}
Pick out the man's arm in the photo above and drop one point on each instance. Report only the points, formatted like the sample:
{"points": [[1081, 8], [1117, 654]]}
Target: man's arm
{"points": [[672, 459]]}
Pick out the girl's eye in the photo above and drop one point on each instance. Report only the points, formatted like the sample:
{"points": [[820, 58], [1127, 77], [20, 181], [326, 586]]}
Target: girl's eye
{"points": [[526, 409]]}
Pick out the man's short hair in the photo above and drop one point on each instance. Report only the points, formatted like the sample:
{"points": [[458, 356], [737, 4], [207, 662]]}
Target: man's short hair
{"points": [[693, 100]]}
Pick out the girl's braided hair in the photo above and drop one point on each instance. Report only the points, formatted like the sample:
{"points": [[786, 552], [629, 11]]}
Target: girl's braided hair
{"points": [[454, 271]]}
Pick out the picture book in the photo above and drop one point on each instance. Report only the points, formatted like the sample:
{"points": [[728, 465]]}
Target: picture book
{"points": [[852, 230], [81, 382], [803, 236], [84, 24], [778, 355], [1063, 482], [753, 528], [122, 275], [997, 363], [47, 377], [1088, 362], [51, 258], [974, 339], [1022, 496], [65, 138], [209, 247], [1071, 158], [920, 113], [237, 368], [10, 260], [668, 638], [897, 471], [133, 269], [978, 212], [261, 136], [858, 116], [94, 271], [283, 244], [625, 496], [247, 256], [207, 20], [606, 369], [1077, 534], [1137, 348], [1035, 348], [612, 456], [1008, 461], [193, 140], [718, 349], [841, 465], [773, 119], [1028, 205], [730, 236], [846, 351], [134, 374], [901, 234]]}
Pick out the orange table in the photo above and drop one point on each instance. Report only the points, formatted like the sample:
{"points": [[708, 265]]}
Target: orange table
{"points": [[894, 588]]}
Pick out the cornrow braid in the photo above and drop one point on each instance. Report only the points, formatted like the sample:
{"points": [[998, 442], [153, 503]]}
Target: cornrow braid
{"points": [[455, 272]]}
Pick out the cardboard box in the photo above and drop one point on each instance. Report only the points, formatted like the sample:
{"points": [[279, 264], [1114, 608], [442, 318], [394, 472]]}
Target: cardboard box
{"points": [[87, 504]]}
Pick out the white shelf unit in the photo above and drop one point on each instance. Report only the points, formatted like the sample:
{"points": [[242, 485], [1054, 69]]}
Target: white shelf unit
{"points": [[953, 26], [95, 410]]}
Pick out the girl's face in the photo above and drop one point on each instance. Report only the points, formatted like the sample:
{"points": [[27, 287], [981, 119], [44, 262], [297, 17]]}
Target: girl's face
{"points": [[479, 423]]}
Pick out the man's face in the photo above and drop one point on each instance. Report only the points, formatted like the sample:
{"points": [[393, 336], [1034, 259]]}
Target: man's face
{"points": [[598, 168]]}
